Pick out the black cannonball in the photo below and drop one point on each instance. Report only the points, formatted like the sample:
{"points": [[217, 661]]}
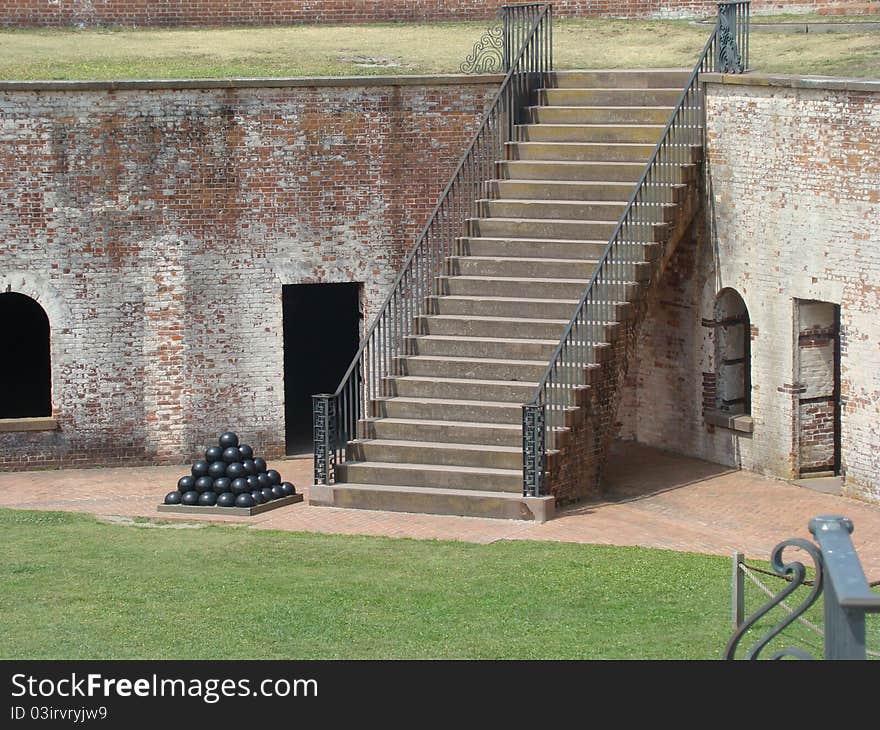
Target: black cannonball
{"points": [[208, 499], [261, 464], [246, 452], [239, 486], [185, 484], [200, 468], [213, 453], [244, 500], [190, 498], [258, 496], [263, 480], [267, 493], [254, 483], [204, 484], [223, 484], [217, 469], [277, 491], [173, 498], [274, 476], [235, 470], [227, 499], [228, 439], [250, 466], [288, 488], [231, 455]]}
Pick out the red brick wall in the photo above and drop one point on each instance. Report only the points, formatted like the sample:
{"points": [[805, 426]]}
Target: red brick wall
{"points": [[157, 227], [290, 12]]}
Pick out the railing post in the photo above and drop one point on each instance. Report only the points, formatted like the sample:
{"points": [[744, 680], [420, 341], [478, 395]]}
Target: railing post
{"points": [[844, 627], [728, 56], [738, 585], [324, 436], [533, 449]]}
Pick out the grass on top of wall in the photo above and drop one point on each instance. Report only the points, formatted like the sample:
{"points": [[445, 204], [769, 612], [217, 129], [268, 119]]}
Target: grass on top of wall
{"points": [[78, 588], [399, 49]]}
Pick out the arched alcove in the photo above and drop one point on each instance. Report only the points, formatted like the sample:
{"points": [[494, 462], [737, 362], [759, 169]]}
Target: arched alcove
{"points": [[733, 354], [25, 367]]}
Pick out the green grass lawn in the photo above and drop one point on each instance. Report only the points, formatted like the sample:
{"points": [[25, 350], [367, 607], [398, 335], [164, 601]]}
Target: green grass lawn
{"points": [[77, 588], [398, 49]]}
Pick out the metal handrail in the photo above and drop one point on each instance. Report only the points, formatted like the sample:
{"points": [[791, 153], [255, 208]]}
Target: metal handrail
{"points": [[528, 32], [587, 331]]}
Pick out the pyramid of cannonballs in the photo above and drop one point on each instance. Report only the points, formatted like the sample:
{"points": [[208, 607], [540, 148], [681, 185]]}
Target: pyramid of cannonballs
{"points": [[229, 476]]}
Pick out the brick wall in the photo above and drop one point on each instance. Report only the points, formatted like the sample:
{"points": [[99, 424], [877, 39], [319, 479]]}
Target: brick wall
{"points": [[793, 214], [156, 226], [292, 12]]}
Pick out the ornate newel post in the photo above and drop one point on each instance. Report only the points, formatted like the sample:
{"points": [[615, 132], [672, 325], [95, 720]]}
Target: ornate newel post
{"points": [[534, 418], [324, 435], [731, 53]]}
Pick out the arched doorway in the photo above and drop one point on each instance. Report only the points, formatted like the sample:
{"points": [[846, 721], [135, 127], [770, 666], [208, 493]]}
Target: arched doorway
{"points": [[733, 355], [25, 368]]}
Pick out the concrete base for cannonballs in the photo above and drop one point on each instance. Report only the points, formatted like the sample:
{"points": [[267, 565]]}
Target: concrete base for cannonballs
{"points": [[194, 509]]}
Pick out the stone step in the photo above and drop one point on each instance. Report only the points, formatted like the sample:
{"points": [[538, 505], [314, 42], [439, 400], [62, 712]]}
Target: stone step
{"points": [[384, 451], [439, 501], [600, 114], [580, 151], [529, 266], [583, 170], [635, 78], [557, 228], [507, 391], [511, 287], [487, 326], [590, 210], [495, 347], [483, 368], [548, 248], [514, 307], [544, 132], [431, 475], [448, 409], [468, 432], [597, 96], [605, 190]]}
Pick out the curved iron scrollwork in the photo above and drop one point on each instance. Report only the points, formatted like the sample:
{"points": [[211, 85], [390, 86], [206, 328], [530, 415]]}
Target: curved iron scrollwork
{"points": [[488, 54], [729, 59], [796, 573]]}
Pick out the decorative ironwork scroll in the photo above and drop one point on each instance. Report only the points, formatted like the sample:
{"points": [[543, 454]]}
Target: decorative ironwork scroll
{"points": [[324, 434], [796, 574], [488, 54], [729, 59], [534, 422]]}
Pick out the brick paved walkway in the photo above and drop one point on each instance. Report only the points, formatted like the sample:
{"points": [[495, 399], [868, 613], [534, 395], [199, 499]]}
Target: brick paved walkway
{"points": [[656, 500]]}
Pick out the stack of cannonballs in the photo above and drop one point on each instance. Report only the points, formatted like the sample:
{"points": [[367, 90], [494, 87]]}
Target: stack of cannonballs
{"points": [[229, 476]]}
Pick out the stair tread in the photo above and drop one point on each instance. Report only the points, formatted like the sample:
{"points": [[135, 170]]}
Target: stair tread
{"points": [[603, 107], [494, 318], [440, 491], [581, 144], [491, 470], [450, 446], [527, 259], [572, 241], [590, 125], [451, 402], [486, 340], [480, 298], [612, 88], [482, 360], [554, 201], [452, 424], [546, 220], [469, 381]]}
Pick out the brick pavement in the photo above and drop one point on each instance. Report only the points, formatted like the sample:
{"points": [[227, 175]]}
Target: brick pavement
{"points": [[656, 500]]}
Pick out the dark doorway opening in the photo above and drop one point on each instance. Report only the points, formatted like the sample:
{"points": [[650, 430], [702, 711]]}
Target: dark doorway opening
{"points": [[321, 337], [25, 369]]}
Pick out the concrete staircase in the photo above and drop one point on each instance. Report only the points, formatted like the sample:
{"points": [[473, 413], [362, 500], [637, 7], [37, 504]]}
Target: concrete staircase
{"points": [[448, 437]]}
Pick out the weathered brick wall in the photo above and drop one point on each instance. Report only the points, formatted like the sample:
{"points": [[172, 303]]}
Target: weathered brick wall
{"points": [[157, 226], [794, 214], [291, 12]]}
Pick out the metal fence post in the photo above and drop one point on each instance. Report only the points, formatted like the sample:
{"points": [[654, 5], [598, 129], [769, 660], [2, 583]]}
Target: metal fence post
{"points": [[324, 436], [844, 627], [738, 586]]}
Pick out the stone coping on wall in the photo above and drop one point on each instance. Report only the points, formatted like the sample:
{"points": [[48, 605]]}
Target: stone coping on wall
{"points": [[252, 83], [788, 81]]}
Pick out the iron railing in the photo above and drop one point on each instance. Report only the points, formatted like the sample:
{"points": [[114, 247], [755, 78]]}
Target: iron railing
{"points": [[847, 594], [528, 58], [589, 327]]}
